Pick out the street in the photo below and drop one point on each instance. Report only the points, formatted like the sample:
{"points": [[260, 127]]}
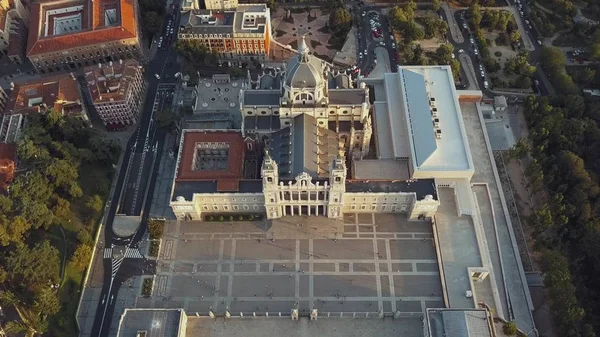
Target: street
{"points": [[135, 182], [371, 36]]}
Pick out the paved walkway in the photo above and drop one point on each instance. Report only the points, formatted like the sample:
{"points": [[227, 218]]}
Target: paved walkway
{"points": [[519, 302], [365, 264], [317, 41], [455, 31]]}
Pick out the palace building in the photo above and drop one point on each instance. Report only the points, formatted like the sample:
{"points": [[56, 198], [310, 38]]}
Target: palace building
{"points": [[314, 144]]}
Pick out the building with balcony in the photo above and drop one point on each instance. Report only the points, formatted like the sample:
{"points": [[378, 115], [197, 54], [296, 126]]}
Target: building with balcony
{"points": [[74, 34], [60, 93], [242, 34], [117, 91]]}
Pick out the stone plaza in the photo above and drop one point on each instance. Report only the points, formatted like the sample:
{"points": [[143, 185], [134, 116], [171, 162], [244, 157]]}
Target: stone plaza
{"points": [[366, 264]]}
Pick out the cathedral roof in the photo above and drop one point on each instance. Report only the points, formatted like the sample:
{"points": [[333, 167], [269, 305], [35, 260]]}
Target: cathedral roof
{"points": [[305, 70]]}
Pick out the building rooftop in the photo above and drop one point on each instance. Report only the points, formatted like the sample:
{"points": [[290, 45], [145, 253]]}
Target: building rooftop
{"points": [[347, 96], [204, 21], [110, 81], [56, 25], [152, 323], [430, 104], [421, 187], [60, 92], [383, 169], [211, 155], [262, 97], [304, 147], [459, 323]]}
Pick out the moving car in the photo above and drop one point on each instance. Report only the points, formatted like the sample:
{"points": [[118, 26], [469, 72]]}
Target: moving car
{"points": [[157, 76]]}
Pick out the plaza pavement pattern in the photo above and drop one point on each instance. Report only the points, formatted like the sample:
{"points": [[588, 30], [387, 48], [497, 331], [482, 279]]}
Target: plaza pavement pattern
{"points": [[317, 41], [364, 265]]}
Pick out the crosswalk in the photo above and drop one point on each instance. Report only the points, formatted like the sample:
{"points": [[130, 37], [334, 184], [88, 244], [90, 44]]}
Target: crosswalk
{"points": [[107, 253], [133, 253], [116, 263]]}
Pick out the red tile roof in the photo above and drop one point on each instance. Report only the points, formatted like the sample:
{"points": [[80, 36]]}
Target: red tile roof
{"points": [[228, 179], [60, 92], [97, 33]]}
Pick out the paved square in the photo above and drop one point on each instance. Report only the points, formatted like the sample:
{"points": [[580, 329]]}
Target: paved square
{"points": [[368, 263]]}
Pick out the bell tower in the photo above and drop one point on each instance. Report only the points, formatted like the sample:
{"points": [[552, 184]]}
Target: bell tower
{"points": [[270, 178], [337, 183]]}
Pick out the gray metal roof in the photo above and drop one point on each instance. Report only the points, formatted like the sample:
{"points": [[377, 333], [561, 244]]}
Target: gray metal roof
{"points": [[304, 147], [270, 81], [262, 97], [341, 81], [156, 322], [417, 104], [347, 96], [270, 123], [421, 187], [304, 71]]}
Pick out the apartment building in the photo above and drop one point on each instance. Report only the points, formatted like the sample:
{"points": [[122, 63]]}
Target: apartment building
{"points": [[208, 4], [74, 34], [13, 29], [117, 91], [60, 93], [242, 34]]}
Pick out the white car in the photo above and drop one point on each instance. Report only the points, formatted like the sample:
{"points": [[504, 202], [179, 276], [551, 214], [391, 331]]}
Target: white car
{"points": [[364, 13], [382, 43], [486, 84], [482, 74], [157, 76], [475, 51], [481, 67], [471, 39], [527, 21], [460, 51], [365, 52], [539, 42]]}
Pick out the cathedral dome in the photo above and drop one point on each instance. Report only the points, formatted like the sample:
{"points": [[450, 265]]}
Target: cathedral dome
{"points": [[305, 70]]}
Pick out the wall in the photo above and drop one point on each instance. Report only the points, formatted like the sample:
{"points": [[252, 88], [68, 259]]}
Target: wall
{"points": [[219, 203]]}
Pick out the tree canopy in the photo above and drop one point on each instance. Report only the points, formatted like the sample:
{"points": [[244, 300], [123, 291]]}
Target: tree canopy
{"points": [[61, 161]]}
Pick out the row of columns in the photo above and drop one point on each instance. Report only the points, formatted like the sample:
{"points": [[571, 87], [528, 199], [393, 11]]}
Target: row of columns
{"points": [[299, 210]]}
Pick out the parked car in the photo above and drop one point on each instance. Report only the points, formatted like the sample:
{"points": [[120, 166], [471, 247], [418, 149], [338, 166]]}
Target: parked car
{"points": [[486, 84], [157, 76]]}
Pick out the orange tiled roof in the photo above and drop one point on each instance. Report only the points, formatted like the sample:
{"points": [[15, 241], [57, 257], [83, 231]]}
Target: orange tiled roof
{"points": [[39, 44], [101, 79], [60, 92]]}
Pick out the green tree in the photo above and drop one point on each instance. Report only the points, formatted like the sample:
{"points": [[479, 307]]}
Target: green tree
{"points": [[94, 204], [152, 22], [84, 237], [62, 210], [33, 266], [81, 257], [475, 13], [553, 58], [594, 50], [436, 4], [510, 328], [272, 5], [515, 36], [167, 119], [340, 19]]}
